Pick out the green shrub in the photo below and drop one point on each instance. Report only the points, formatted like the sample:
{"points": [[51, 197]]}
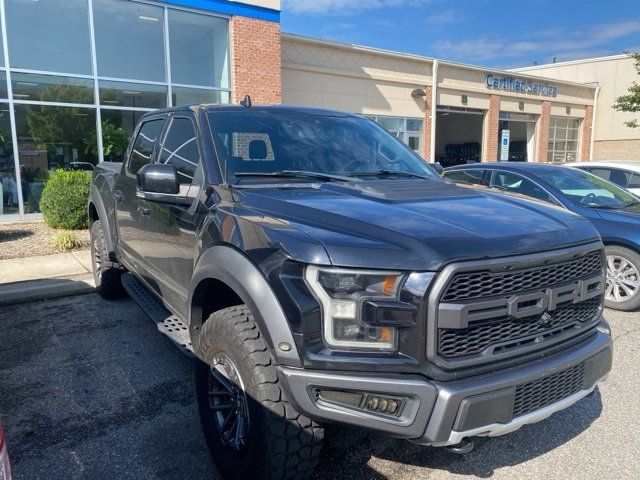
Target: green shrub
{"points": [[65, 240], [64, 199]]}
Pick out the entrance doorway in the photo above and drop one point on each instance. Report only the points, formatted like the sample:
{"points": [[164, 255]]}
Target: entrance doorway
{"points": [[458, 135], [517, 137]]}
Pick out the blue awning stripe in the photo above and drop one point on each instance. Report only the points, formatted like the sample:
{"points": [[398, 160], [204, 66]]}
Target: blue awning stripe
{"points": [[229, 8]]}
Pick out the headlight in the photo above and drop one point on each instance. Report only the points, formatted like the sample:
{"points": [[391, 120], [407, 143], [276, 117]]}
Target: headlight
{"points": [[341, 293]]}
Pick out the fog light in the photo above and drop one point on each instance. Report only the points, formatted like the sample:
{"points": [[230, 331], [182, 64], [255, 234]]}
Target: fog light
{"points": [[385, 405]]}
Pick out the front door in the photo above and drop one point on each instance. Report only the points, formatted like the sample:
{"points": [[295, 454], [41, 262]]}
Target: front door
{"points": [[171, 228]]}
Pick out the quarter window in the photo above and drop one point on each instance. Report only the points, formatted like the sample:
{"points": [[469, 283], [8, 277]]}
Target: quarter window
{"points": [[180, 149], [144, 145], [634, 181]]}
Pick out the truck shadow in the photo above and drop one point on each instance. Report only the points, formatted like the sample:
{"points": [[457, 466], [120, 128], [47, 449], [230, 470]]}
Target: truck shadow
{"points": [[354, 454]]}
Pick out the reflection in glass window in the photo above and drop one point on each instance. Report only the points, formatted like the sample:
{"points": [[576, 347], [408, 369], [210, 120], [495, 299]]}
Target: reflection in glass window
{"points": [[49, 35], [28, 86], [184, 96], [3, 86], [136, 95], [117, 130], [129, 40], [145, 143], [199, 49], [50, 138], [180, 149], [8, 185], [409, 130]]}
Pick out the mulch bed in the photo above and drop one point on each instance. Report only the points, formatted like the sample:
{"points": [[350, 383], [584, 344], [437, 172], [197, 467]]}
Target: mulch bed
{"points": [[29, 239]]}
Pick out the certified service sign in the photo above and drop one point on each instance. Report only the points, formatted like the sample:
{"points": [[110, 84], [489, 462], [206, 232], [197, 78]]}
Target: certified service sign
{"points": [[512, 84]]}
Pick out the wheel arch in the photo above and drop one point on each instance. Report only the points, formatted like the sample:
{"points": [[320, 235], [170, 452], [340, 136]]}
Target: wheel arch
{"points": [[97, 211], [239, 281]]}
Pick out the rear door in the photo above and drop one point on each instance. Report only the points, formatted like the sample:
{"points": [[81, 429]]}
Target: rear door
{"points": [[171, 227], [132, 212]]}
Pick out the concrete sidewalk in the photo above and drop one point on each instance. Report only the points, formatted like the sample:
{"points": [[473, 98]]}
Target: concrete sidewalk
{"points": [[49, 276]]}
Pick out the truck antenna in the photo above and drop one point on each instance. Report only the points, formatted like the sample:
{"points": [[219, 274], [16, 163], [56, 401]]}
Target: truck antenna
{"points": [[246, 102]]}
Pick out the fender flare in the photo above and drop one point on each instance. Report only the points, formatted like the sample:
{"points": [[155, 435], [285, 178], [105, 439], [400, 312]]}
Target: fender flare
{"points": [[229, 266], [98, 203]]}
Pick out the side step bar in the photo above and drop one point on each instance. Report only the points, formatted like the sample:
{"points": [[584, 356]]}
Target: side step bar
{"points": [[165, 321]]}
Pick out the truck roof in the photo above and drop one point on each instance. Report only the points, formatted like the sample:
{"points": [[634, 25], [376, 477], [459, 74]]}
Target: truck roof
{"points": [[276, 109]]}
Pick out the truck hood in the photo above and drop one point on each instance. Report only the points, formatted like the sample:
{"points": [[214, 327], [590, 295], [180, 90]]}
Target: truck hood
{"points": [[415, 224]]}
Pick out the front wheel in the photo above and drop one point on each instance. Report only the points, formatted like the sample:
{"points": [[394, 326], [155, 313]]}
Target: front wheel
{"points": [[250, 427], [623, 279], [106, 273]]}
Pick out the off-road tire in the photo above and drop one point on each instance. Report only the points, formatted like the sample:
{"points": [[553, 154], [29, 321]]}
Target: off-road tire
{"points": [[282, 444], [633, 258], [106, 273]]}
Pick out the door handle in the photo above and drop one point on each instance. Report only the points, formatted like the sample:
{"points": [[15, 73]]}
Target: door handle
{"points": [[144, 211], [117, 195]]}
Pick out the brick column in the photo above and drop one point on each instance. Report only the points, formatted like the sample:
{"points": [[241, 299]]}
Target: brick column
{"points": [[587, 131], [256, 60], [427, 130], [542, 145], [491, 142]]}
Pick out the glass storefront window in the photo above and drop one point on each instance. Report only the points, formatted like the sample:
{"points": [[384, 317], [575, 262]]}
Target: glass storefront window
{"points": [[50, 35], [199, 49], [28, 86], [3, 85], [563, 139], [408, 130], [184, 95], [129, 40], [135, 95], [8, 185], [50, 138], [117, 130]]}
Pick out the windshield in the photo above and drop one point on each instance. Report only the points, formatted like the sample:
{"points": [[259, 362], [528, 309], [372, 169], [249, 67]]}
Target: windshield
{"points": [[295, 145], [589, 190]]}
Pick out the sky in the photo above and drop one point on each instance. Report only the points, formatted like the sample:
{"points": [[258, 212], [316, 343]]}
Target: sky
{"points": [[495, 33]]}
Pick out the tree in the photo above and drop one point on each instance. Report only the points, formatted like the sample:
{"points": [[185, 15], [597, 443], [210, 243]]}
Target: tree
{"points": [[631, 101], [114, 141]]}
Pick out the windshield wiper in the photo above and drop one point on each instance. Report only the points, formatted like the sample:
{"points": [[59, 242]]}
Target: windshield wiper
{"points": [[386, 173], [631, 204], [296, 174]]}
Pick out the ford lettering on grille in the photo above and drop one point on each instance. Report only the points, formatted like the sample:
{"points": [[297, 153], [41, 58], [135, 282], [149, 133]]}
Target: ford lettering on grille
{"points": [[458, 315]]}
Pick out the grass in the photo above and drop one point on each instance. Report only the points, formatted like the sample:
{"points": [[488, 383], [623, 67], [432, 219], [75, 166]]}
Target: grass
{"points": [[65, 240]]}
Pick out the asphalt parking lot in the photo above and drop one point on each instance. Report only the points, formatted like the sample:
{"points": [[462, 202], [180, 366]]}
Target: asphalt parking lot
{"points": [[90, 390]]}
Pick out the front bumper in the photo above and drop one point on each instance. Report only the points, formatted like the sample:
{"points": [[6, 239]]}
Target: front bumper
{"points": [[444, 413]]}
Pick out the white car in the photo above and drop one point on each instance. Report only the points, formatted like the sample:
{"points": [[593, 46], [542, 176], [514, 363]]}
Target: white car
{"points": [[622, 173]]}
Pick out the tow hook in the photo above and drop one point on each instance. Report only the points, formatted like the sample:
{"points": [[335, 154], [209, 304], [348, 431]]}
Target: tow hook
{"points": [[465, 446]]}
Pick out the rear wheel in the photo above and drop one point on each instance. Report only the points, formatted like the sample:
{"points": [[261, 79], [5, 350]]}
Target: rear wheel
{"points": [[106, 273], [623, 279], [250, 427]]}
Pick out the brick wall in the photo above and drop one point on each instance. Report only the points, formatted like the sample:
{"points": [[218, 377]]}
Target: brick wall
{"points": [[256, 60], [587, 131], [429, 118], [542, 145], [491, 131]]}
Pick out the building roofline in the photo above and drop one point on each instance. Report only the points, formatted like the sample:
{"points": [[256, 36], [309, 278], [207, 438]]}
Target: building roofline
{"points": [[420, 58], [572, 62]]}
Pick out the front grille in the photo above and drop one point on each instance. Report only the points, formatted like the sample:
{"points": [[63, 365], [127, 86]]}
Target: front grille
{"points": [[481, 335], [546, 391], [480, 284]]}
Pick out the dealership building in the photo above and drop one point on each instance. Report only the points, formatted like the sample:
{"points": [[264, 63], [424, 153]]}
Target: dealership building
{"points": [[76, 75]]}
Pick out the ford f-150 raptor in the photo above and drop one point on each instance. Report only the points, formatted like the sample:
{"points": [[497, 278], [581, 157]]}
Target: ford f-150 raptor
{"points": [[321, 272]]}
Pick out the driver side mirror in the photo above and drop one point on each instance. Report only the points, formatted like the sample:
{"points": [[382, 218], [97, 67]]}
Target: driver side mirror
{"points": [[159, 183]]}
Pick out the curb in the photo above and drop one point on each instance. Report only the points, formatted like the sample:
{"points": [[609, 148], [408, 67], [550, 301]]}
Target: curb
{"points": [[34, 290]]}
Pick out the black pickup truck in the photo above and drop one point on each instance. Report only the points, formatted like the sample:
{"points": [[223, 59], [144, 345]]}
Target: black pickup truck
{"points": [[321, 272]]}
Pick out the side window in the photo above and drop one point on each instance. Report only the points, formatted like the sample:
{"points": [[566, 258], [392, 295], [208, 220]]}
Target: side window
{"points": [[180, 149], [634, 181], [512, 182], [613, 175], [468, 177], [143, 146]]}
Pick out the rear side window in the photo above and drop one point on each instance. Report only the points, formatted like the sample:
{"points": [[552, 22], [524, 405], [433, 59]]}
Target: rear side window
{"points": [[613, 175], [144, 144], [468, 177], [180, 149], [634, 181]]}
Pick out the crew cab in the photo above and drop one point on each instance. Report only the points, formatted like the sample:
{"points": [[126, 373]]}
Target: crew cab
{"points": [[321, 272]]}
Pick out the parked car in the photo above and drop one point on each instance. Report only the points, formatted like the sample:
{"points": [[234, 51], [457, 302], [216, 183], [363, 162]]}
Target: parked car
{"points": [[322, 273], [622, 173], [614, 212], [5, 470]]}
